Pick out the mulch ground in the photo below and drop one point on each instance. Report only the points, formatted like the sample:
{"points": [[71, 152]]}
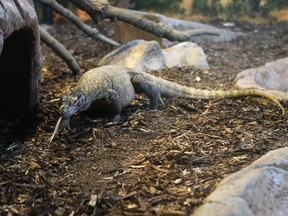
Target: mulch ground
{"points": [[151, 162]]}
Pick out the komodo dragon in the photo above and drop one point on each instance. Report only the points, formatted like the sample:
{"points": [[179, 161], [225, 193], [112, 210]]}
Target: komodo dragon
{"points": [[113, 87]]}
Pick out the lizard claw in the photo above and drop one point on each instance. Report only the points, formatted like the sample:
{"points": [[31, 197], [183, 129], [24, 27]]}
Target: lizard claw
{"points": [[162, 102], [116, 118]]}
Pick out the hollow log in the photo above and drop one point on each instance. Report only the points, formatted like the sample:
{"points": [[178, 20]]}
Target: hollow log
{"points": [[20, 59]]}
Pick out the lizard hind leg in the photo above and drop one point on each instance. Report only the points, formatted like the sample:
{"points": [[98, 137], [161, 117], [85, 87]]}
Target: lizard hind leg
{"points": [[141, 85]]}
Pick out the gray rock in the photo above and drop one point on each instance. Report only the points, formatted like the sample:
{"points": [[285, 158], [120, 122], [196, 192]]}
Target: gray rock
{"points": [[258, 189], [185, 54], [272, 78], [147, 55], [20, 60]]}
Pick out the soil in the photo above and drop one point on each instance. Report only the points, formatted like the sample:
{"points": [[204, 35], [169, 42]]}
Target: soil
{"points": [[151, 162]]}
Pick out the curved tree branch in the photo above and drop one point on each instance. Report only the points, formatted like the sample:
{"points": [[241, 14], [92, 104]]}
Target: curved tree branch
{"points": [[100, 9], [59, 49], [92, 32]]}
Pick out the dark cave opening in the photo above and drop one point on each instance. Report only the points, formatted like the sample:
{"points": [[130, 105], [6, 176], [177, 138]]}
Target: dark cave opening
{"points": [[16, 62]]}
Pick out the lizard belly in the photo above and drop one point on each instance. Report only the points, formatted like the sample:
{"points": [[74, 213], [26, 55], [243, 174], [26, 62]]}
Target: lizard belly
{"points": [[102, 107]]}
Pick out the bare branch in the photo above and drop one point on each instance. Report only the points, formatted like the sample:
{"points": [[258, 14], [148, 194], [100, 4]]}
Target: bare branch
{"points": [[100, 9], [92, 32], [59, 49]]}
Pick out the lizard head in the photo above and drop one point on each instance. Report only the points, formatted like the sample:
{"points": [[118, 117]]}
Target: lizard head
{"points": [[73, 102]]}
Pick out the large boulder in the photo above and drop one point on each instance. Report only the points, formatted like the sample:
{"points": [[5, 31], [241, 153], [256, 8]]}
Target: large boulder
{"points": [[271, 77], [145, 56], [20, 61], [258, 189]]}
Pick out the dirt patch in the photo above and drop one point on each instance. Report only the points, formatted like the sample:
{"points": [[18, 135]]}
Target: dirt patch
{"points": [[151, 161]]}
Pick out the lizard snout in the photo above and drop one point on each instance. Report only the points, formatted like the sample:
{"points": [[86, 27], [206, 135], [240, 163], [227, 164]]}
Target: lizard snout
{"points": [[63, 111]]}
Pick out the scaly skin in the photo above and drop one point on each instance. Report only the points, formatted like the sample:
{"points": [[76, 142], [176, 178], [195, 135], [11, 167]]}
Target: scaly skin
{"points": [[113, 87]]}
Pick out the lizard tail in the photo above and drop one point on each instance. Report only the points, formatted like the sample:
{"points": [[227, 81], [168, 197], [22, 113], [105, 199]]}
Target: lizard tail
{"points": [[169, 89], [212, 94]]}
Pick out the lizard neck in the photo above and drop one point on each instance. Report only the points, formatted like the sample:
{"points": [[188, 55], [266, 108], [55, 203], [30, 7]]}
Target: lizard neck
{"points": [[94, 89]]}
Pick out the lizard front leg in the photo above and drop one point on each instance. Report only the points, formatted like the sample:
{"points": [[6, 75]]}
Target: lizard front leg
{"points": [[141, 85], [114, 101]]}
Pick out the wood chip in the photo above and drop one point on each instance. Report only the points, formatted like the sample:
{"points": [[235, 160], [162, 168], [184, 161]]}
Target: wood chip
{"points": [[137, 166], [93, 200]]}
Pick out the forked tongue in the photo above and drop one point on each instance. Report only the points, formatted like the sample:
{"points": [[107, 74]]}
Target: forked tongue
{"points": [[55, 130]]}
